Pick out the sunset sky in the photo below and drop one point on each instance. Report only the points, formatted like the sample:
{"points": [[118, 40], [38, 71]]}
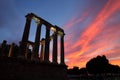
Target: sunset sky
{"points": [[92, 27]]}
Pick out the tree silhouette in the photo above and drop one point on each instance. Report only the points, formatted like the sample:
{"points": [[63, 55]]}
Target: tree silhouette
{"points": [[77, 71], [100, 64], [83, 71], [74, 71]]}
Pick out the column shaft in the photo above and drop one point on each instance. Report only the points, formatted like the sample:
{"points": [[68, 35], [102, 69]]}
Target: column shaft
{"points": [[37, 43], [27, 48], [55, 48], [62, 49], [3, 48], [11, 50], [42, 53], [47, 43], [23, 43]]}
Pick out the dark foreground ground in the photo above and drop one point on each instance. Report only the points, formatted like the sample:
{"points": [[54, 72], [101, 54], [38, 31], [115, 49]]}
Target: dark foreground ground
{"points": [[17, 69], [97, 77]]}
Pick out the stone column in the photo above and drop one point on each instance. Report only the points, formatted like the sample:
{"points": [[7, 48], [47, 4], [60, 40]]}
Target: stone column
{"points": [[62, 49], [3, 48], [47, 44], [35, 54], [27, 48], [42, 50], [54, 57], [11, 50], [23, 43]]}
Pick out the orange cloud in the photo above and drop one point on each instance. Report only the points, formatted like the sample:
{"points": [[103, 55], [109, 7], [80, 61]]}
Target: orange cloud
{"points": [[93, 33], [97, 25], [115, 62]]}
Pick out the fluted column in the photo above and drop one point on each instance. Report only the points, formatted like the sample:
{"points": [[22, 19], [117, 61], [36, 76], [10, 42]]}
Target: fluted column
{"points": [[23, 43], [47, 44], [54, 58], [62, 49], [37, 43], [42, 50]]}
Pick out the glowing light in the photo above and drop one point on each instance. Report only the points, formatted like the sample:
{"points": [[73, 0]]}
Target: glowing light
{"points": [[53, 29], [60, 33], [36, 20]]}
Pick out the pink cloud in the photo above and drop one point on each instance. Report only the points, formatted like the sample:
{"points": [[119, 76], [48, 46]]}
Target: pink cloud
{"points": [[102, 44]]}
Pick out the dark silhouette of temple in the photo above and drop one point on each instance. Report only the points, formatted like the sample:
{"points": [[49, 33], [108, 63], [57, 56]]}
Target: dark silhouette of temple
{"points": [[21, 63]]}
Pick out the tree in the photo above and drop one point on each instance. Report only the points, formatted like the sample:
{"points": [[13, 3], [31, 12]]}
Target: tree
{"points": [[83, 71], [100, 64], [97, 65], [73, 71]]}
